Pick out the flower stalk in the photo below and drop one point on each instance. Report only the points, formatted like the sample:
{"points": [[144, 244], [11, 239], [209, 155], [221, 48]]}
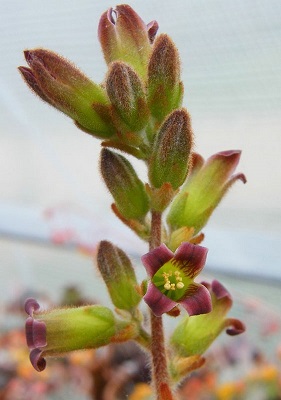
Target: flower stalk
{"points": [[160, 375]]}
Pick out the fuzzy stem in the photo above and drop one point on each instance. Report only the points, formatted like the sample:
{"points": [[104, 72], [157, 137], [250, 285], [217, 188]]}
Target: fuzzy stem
{"points": [[160, 376]]}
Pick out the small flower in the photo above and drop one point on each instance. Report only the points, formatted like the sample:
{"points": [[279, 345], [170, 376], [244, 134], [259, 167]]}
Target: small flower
{"points": [[172, 279], [124, 36], [59, 331], [195, 334], [205, 187]]}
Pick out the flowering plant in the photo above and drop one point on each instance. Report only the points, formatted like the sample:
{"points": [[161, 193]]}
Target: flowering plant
{"points": [[138, 110]]}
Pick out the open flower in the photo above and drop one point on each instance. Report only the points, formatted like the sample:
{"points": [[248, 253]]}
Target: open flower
{"points": [[59, 331], [195, 334], [172, 279]]}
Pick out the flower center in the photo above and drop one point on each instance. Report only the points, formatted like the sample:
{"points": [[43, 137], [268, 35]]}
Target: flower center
{"points": [[171, 281]]}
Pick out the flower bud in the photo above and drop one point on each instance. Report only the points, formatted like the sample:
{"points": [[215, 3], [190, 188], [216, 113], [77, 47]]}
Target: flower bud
{"points": [[124, 36], [126, 93], [171, 152], [165, 91], [119, 276], [62, 330], [204, 189], [123, 183], [194, 334], [58, 82]]}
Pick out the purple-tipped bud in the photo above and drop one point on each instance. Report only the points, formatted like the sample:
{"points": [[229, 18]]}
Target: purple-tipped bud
{"points": [[124, 36], [204, 189], [59, 331], [171, 151], [123, 183], [58, 82], [119, 276], [195, 334], [126, 93], [165, 90]]}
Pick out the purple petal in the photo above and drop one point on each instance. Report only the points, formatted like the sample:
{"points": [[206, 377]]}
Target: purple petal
{"points": [[157, 301], [197, 300], [237, 326], [35, 332], [152, 29], [38, 362], [29, 333], [30, 306], [156, 258], [191, 258], [220, 291]]}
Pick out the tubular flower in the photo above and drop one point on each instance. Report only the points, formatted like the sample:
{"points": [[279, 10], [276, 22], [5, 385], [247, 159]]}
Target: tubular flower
{"points": [[58, 82], [62, 330], [124, 36], [172, 279], [194, 335], [204, 188]]}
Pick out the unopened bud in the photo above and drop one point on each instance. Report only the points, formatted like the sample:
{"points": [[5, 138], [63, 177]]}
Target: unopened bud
{"points": [[123, 183], [124, 36], [126, 93], [171, 152], [165, 90], [119, 276], [58, 82]]}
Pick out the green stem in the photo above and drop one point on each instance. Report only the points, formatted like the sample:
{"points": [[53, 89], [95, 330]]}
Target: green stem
{"points": [[160, 375]]}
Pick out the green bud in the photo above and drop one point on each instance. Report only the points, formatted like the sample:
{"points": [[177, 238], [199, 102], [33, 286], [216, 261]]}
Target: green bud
{"points": [[119, 276], [165, 91], [126, 93], [123, 183], [58, 82], [205, 187], [171, 152]]}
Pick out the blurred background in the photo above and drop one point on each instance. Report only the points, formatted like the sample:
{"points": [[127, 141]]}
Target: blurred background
{"points": [[54, 208]]}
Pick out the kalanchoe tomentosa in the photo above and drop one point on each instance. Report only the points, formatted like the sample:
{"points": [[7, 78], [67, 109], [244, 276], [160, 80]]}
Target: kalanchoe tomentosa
{"points": [[172, 279]]}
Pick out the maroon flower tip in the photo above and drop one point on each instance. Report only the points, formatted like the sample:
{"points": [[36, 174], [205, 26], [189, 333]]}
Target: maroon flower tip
{"points": [[112, 15], [38, 362], [242, 177], [35, 331], [152, 29], [30, 306], [237, 327], [219, 290], [28, 54]]}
